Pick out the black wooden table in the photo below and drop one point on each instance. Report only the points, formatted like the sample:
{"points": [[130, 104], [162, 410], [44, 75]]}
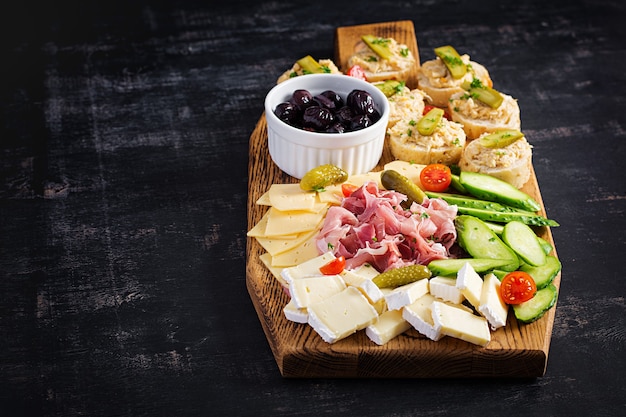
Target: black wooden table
{"points": [[124, 132]]}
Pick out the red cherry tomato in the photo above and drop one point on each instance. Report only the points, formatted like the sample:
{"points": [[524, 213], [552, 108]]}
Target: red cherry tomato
{"points": [[429, 107], [348, 189], [357, 72], [334, 267], [436, 177], [517, 287]]}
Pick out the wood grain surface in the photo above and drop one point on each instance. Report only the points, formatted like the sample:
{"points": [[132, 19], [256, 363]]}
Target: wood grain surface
{"points": [[125, 143], [516, 350]]}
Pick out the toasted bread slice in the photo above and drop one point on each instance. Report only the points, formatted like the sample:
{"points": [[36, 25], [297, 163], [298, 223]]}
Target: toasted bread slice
{"points": [[478, 118], [435, 80], [511, 163]]}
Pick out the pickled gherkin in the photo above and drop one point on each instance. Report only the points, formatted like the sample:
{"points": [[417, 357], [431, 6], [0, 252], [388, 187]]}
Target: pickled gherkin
{"points": [[427, 124], [393, 180], [397, 277], [452, 61], [322, 176], [483, 93]]}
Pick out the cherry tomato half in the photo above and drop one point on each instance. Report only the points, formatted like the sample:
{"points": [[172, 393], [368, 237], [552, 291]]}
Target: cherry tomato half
{"points": [[334, 267], [517, 287], [429, 107], [348, 189], [436, 177], [357, 72]]}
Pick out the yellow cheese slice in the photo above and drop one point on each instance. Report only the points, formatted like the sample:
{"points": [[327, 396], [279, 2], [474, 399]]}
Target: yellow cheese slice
{"points": [[259, 229], [275, 271], [264, 200], [302, 253], [275, 245], [288, 197], [292, 221]]}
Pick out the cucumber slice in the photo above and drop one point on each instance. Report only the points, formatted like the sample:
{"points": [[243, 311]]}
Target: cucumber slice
{"points": [[544, 274], [523, 240], [547, 247], [494, 189], [450, 267], [481, 242], [536, 307]]}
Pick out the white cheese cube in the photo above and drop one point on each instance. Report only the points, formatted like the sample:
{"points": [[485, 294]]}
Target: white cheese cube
{"points": [[367, 271], [445, 289], [341, 315], [389, 325], [406, 294], [470, 284], [419, 315], [293, 313], [307, 291], [456, 322], [364, 284], [309, 268], [491, 305]]}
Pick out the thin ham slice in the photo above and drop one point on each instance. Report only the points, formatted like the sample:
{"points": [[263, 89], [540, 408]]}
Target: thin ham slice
{"points": [[371, 227]]}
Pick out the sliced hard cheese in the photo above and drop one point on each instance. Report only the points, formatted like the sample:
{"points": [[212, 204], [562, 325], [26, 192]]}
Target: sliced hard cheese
{"points": [[276, 245], [307, 250], [419, 315], [491, 305], [286, 197], [291, 222], [332, 194], [341, 315], [470, 284], [445, 289], [461, 324], [308, 291], [406, 294], [275, 271], [259, 229], [389, 325], [310, 268], [264, 200]]}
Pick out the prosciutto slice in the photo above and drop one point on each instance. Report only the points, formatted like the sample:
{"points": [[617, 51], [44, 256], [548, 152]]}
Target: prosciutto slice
{"points": [[370, 226]]}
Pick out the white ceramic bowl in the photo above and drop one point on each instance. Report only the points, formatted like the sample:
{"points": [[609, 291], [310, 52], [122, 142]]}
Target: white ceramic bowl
{"points": [[297, 151]]}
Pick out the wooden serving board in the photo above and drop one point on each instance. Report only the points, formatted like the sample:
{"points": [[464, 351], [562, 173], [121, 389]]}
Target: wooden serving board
{"points": [[516, 350]]}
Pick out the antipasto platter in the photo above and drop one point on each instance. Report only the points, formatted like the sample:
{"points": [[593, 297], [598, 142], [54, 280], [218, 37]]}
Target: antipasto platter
{"points": [[515, 350]]}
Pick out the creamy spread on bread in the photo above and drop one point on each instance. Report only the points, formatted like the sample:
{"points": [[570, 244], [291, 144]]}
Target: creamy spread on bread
{"points": [[444, 145], [397, 66], [296, 70]]}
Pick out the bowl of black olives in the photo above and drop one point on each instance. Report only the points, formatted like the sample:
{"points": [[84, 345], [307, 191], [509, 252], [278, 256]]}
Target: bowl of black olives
{"points": [[318, 119]]}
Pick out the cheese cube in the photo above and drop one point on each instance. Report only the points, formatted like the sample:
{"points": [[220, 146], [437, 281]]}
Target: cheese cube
{"points": [[456, 322], [307, 291], [445, 289], [470, 284], [364, 284], [341, 315], [295, 314], [491, 305], [406, 294], [419, 315], [389, 325], [310, 268]]}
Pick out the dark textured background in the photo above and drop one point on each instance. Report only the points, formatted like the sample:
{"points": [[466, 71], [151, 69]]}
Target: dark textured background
{"points": [[124, 133]]}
